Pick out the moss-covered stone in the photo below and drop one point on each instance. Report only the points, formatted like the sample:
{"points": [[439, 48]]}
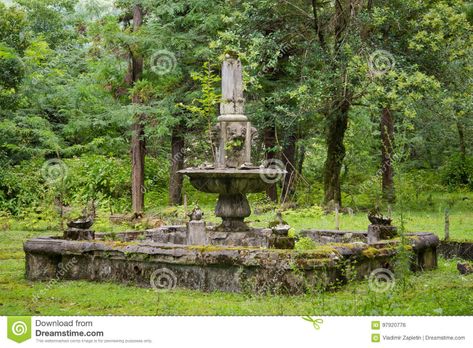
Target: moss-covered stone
{"points": [[222, 268]]}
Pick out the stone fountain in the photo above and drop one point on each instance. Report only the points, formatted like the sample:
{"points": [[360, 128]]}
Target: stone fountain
{"points": [[233, 256], [233, 175]]}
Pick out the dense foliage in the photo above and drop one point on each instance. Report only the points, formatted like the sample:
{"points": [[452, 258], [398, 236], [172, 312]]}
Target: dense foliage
{"points": [[319, 76]]}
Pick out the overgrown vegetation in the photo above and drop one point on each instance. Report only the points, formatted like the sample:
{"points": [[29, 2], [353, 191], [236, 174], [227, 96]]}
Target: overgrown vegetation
{"points": [[67, 97], [367, 104]]}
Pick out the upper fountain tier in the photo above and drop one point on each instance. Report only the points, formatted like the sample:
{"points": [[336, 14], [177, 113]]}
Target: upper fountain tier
{"points": [[233, 132]]}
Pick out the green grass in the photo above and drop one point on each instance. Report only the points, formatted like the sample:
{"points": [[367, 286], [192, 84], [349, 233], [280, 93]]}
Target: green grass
{"points": [[461, 221], [440, 292], [424, 212]]}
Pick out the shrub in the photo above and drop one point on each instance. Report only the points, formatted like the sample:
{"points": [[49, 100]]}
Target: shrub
{"points": [[98, 178], [21, 186], [458, 172], [305, 243]]}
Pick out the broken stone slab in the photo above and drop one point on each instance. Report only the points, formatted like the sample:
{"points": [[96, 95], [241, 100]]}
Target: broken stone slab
{"points": [[465, 268], [451, 248], [176, 234], [281, 230]]}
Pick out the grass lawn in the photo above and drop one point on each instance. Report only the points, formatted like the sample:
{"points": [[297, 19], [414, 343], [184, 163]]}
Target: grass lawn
{"points": [[440, 292]]}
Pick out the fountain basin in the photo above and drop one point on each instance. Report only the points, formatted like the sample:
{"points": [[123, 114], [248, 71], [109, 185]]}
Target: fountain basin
{"points": [[232, 180], [217, 268], [232, 185]]}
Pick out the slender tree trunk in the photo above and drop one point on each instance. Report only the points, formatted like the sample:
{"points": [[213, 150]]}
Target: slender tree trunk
{"points": [[269, 143], [387, 142], [289, 159], [138, 146], [138, 149], [177, 163], [300, 158], [337, 126], [461, 138], [337, 115]]}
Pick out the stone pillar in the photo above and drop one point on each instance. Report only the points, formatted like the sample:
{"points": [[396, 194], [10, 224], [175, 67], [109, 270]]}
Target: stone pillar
{"points": [[373, 234], [232, 87], [234, 145], [196, 234]]}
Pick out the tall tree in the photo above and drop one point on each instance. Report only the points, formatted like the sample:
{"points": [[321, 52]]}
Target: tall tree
{"points": [[138, 147], [387, 152], [341, 97], [269, 142], [177, 163]]}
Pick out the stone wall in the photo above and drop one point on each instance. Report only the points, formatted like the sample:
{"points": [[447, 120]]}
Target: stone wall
{"points": [[334, 236], [216, 268], [451, 249], [180, 235]]}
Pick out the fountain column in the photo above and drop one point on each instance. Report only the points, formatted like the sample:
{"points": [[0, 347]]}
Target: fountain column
{"points": [[234, 145], [235, 131]]}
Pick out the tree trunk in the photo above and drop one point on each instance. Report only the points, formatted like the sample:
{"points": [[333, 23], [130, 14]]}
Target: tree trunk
{"points": [[387, 140], [317, 26], [338, 122], [289, 160], [461, 138], [138, 146], [269, 143], [300, 158], [337, 114], [138, 149], [177, 163]]}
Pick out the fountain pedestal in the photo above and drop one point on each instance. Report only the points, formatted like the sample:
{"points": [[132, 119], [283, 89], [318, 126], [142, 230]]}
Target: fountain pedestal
{"points": [[233, 209]]}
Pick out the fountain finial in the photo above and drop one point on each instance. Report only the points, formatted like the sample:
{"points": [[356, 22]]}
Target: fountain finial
{"points": [[232, 88]]}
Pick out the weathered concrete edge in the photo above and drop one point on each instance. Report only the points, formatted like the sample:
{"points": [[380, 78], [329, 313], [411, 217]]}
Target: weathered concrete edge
{"points": [[214, 268]]}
